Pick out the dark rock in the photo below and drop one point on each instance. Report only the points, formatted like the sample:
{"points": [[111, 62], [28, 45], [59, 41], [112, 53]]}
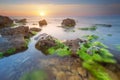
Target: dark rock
{"points": [[24, 30], [42, 22], [23, 21], [35, 29], [5, 22], [106, 25], [74, 45], [68, 23], [45, 42], [16, 42]]}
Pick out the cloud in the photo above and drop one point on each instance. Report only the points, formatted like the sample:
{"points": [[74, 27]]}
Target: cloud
{"points": [[59, 1]]}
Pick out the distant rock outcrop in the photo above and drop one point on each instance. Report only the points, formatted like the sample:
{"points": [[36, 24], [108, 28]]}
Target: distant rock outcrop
{"points": [[35, 29], [42, 22], [22, 21], [105, 25], [5, 22], [68, 22]]}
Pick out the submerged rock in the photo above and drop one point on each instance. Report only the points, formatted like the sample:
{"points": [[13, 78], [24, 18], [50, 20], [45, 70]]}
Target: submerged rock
{"points": [[42, 22], [68, 22], [5, 22], [65, 68]]}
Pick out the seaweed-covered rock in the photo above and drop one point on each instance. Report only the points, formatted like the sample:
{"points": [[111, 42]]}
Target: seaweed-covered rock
{"points": [[68, 22], [5, 22], [45, 42], [42, 22], [74, 45], [12, 43]]}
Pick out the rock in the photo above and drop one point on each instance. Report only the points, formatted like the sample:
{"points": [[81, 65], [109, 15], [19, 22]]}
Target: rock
{"points": [[35, 29], [16, 42], [106, 25], [5, 22], [45, 42], [65, 68], [24, 30], [23, 21], [74, 45], [68, 22], [42, 22]]}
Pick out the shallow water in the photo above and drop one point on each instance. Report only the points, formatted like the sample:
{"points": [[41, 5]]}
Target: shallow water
{"points": [[12, 67]]}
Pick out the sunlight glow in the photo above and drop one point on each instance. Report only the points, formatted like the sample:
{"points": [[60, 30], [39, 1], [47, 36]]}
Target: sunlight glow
{"points": [[42, 13]]}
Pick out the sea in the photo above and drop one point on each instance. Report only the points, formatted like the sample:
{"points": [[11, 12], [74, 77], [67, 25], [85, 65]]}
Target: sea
{"points": [[110, 36]]}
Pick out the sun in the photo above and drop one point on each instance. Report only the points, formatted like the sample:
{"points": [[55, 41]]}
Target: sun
{"points": [[42, 13]]}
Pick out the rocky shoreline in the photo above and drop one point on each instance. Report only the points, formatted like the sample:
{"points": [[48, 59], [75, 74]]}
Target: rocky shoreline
{"points": [[70, 67]]}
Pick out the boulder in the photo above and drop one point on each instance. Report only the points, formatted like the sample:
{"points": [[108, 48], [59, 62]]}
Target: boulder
{"points": [[5, 22], [45, 42], [68, 22], [16, 42], [35, 29], [23, 21], [74, 45], [24, 30], [42, 22]]}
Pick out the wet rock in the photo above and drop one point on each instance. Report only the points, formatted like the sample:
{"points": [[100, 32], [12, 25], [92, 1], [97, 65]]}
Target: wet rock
{"points": [[42, 22], [16, 42], [35, 29], [74, 45], [68, 22], [45, 42], [5, 22], [66, 68], [22, 21], [24, 30]]}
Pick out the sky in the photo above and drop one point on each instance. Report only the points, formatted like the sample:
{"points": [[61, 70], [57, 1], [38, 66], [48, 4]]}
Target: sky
{"points": [[59, 7]]}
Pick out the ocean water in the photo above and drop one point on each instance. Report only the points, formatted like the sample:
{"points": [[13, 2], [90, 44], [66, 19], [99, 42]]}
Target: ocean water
{"points": [[54, 22]]}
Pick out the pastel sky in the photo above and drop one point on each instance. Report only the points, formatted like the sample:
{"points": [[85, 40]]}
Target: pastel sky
{"points": [[59, 7]]}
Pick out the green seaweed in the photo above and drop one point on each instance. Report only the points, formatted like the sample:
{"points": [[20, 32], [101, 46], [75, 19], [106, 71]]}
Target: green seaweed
{"points": [[34, 32], [10, 51], [1, 54], [93, 55], [60, 49], [92, 28], [109, 34], [118, 47], [26, 42], [35, 75]]}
